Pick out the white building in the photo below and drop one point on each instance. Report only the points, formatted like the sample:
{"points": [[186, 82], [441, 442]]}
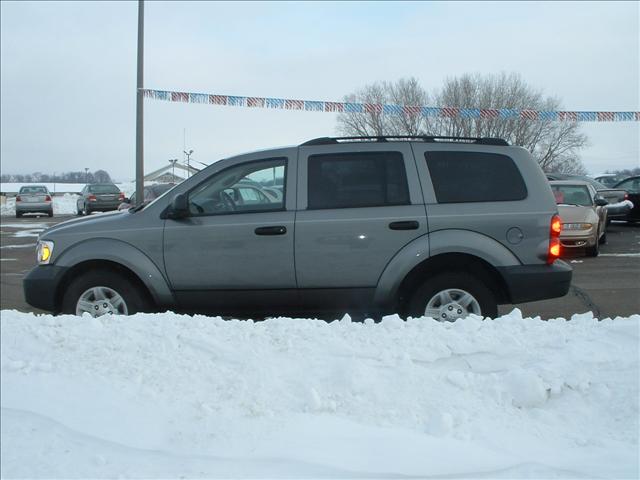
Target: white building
{"points": [[171, 174]]}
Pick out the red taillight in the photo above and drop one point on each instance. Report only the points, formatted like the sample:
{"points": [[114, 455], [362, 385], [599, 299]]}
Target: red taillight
{"points": [[18, 199], [626, 196], [92, 198], [554, 240], [47, 198]]}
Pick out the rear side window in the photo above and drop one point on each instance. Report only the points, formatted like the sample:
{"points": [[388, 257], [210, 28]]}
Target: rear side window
{"points": [[460, 177], [352, 180]]}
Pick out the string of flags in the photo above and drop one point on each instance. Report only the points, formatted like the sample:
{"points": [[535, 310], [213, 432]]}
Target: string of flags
{"points": [[384, 109]]}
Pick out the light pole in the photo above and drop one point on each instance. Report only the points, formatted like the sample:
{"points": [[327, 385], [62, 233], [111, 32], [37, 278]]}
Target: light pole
{"points": [[139, 109], [86, 175], [188, 154], [173, 161]]}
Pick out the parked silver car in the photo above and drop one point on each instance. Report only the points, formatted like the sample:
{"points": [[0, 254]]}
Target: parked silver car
{"points": [[99, 197], [424, 226], [34, 199]]}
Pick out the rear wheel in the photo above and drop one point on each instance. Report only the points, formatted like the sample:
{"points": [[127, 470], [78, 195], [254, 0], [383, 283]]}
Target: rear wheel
{"points": [[50, 213], [453, 295], [102, 292]]}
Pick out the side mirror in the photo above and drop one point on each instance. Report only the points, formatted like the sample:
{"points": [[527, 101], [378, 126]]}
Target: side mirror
{"points": [[179, 207], [601, 202]]}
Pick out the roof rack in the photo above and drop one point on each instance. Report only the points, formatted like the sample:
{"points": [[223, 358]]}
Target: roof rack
{"points": [[423, 138]]}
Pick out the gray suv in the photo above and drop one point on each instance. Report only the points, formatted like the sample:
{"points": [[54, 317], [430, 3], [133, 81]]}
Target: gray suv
{"points": [[435, 226]]}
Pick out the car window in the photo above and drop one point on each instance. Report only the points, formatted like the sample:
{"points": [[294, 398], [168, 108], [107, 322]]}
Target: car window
{"points": [[33, 190], [103, 189], [353, 180], [572, 195], [631, 185], [238, 189], [461, 177]]}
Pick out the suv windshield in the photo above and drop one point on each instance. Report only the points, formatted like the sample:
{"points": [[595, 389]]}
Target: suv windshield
{"points": [[103, 189], [572, 195]]}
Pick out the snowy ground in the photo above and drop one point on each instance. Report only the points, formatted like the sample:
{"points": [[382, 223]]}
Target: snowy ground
{"points": [[173, 396]]}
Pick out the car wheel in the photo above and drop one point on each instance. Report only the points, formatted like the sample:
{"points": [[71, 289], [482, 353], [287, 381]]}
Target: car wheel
{"points": [[593, 251], [453, 295], [603, 239], [50, 213], [102, 292], [86, 210]]}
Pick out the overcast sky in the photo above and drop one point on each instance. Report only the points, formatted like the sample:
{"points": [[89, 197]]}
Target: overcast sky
{"points": [[68, 71]]}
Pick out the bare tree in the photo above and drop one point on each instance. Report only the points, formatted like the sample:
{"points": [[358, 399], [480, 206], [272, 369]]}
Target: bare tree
{"points": [[554, 144]]}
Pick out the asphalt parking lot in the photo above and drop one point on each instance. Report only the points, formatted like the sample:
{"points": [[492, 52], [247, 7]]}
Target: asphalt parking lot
{"points": [[608, 285]]}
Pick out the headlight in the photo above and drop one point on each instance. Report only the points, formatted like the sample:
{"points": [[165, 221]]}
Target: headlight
{"points": [[44, 250], [576, 226]]}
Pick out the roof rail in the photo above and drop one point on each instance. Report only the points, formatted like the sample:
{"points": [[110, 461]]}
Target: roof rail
{"points": [[391, 138]]}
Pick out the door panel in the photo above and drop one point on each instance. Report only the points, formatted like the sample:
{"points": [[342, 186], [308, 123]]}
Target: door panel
{"points": [[350, 247], [224, 252]]}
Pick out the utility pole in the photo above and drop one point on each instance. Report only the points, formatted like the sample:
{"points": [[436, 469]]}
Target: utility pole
{"points": [[139, 109], [173, 169], [86, 175], [188, 154]]}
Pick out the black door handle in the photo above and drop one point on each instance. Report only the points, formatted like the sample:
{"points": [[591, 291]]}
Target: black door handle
{"points": [[408, 225], [279, 230]]}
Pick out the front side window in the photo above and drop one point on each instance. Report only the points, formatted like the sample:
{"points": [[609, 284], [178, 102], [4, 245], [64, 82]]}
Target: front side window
{"points": [[353, 180], [460, 177], [239, 189]]}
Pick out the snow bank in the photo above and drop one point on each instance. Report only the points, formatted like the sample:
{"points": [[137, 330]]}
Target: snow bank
{"points": [[62, 205], [171, 396]]}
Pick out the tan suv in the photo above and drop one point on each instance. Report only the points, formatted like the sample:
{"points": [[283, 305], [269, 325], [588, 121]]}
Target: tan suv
{"points": [[583, 214]]}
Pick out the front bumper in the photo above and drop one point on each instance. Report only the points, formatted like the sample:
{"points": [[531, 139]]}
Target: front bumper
{"points": [[40, 287], [528, 283], [578, 239]]}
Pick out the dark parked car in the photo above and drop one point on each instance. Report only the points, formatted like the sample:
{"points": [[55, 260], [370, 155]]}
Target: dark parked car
{"points": [[99, 197], [151, 192], [632, 186]]}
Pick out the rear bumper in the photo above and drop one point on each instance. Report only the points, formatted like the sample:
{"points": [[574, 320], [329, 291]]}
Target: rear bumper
{"points": [[528, 283], [25, 207], [102, 207], [40, 286]]}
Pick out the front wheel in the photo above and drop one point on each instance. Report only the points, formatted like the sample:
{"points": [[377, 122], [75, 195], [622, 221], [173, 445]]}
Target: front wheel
{"points": [[453, 295], [593, 251], [102, 292]]}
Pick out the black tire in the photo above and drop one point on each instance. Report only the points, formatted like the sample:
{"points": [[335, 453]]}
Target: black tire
{"points": [[593, 251], [79, 212], [134, 298], [86, 210], [603, 239], [50, 213], [460, 280]]}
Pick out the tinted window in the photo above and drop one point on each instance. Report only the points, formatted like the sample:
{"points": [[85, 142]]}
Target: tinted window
{"points": [[474, 177], [26, 190], [572, 195], [103, 189], [350, 180], [238, 189], [631, 185]]}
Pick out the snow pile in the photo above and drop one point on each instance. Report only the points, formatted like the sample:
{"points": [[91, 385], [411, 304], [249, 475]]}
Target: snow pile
{"points": [[626, 204], [62, 205], [166, 395]]}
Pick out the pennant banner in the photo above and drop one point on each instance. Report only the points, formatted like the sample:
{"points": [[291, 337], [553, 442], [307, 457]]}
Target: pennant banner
{"points": [[376, 108]]}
